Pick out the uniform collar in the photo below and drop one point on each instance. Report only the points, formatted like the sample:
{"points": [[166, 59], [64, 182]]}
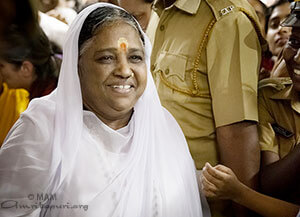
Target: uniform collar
{"points": [[189, 6], [288, 94]]}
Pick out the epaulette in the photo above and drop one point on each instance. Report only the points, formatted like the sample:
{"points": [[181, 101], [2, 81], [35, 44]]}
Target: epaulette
{"points": [[221, 8], [279, 83]]}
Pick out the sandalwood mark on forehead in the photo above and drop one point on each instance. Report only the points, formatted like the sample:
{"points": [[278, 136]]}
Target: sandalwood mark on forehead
{"points": [[123, 44]]}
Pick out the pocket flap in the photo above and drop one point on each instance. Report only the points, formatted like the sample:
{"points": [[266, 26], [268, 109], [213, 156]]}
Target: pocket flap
{"points": [[172, 65]]}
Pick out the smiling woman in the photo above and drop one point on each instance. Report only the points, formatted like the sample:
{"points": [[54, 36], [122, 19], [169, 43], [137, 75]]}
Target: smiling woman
{"points": [[103, 123], [112, 72]]}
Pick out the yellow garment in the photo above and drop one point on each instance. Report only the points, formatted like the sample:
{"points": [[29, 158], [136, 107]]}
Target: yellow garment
{"points": [[278, 105], [205, 63], [12, 103]]}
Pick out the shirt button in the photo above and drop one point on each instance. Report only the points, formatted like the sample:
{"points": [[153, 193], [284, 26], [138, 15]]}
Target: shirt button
{"points": [[162, 28], [167, 71]]}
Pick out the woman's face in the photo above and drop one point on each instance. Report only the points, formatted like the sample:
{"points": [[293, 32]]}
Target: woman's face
{"points": [[10, 74], [17, 76], [113, 72], [291, 55], [277, 36]]}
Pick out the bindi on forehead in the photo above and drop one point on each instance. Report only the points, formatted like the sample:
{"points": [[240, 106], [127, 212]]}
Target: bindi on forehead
{"points": [[123, 44]]}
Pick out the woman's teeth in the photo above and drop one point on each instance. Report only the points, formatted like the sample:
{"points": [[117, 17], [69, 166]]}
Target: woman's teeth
{"points": [[297, 71], [121, 86]]}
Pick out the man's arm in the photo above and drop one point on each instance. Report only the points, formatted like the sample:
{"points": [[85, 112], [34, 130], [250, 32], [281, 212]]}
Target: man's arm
{"points": [[280, 176], [239, 150]]}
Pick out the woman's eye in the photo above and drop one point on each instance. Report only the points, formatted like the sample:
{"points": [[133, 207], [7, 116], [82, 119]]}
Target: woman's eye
{"points": [[106, 59], [274, 24], [136, 58]]}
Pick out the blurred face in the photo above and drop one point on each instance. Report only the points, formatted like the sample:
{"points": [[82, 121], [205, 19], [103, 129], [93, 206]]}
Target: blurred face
{"points": [[10, 74], [47, 5], [291, 55], [139, 9], [113, 72], [17, 76], [277, 36], [260, 13]]}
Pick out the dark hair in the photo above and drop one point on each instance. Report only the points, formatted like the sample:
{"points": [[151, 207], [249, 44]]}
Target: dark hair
{"points": [[15, 48], [149, 1], [18, 12], [103, 16], [271, 9]]}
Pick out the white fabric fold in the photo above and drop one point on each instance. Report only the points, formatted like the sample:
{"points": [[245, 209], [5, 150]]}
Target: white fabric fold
{"points": [[88, 169]]}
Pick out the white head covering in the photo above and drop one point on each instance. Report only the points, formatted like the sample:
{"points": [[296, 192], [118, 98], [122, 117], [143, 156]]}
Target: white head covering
{"points": [[42, 148]]}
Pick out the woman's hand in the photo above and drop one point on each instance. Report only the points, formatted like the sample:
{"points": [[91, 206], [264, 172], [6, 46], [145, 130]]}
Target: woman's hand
{"points": [[220, 182]]}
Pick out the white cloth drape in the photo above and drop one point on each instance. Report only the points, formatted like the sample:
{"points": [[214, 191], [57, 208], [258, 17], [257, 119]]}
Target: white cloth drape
{"points": [[59, 160]]}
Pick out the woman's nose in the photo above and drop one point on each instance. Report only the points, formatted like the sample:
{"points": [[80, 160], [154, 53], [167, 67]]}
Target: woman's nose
{"points": [[124, 69], [284, 30]]}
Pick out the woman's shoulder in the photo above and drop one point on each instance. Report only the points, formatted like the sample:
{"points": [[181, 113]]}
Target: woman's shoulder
{"points": [[26, 155], [35, 125]]}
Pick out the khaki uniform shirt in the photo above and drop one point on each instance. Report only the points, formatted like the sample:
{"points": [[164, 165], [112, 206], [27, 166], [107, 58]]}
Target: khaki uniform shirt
{"points": [[279, 116], [205, 63]]}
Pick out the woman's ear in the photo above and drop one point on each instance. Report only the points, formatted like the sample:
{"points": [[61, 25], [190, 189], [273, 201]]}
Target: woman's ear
{"points": [[27, 70]]}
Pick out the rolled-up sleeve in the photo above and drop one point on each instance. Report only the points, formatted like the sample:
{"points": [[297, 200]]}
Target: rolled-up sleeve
{"points": [[233, 59]]}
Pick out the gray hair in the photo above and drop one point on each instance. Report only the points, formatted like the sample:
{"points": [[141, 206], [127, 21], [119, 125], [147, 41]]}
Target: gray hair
{"points": [[99, 18]]}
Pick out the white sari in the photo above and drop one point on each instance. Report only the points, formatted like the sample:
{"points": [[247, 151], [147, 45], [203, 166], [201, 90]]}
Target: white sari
{"points": [[62, 161]]}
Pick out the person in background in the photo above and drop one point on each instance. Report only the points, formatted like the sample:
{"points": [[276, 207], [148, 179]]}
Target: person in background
{"points": [[55, 18], [84, 3], [29, 67], [140, 9], [53, 28], [279, 113], [279, 139], [205, 61], [20, 13], [58, 10], [277, 35], [14, 101]]}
